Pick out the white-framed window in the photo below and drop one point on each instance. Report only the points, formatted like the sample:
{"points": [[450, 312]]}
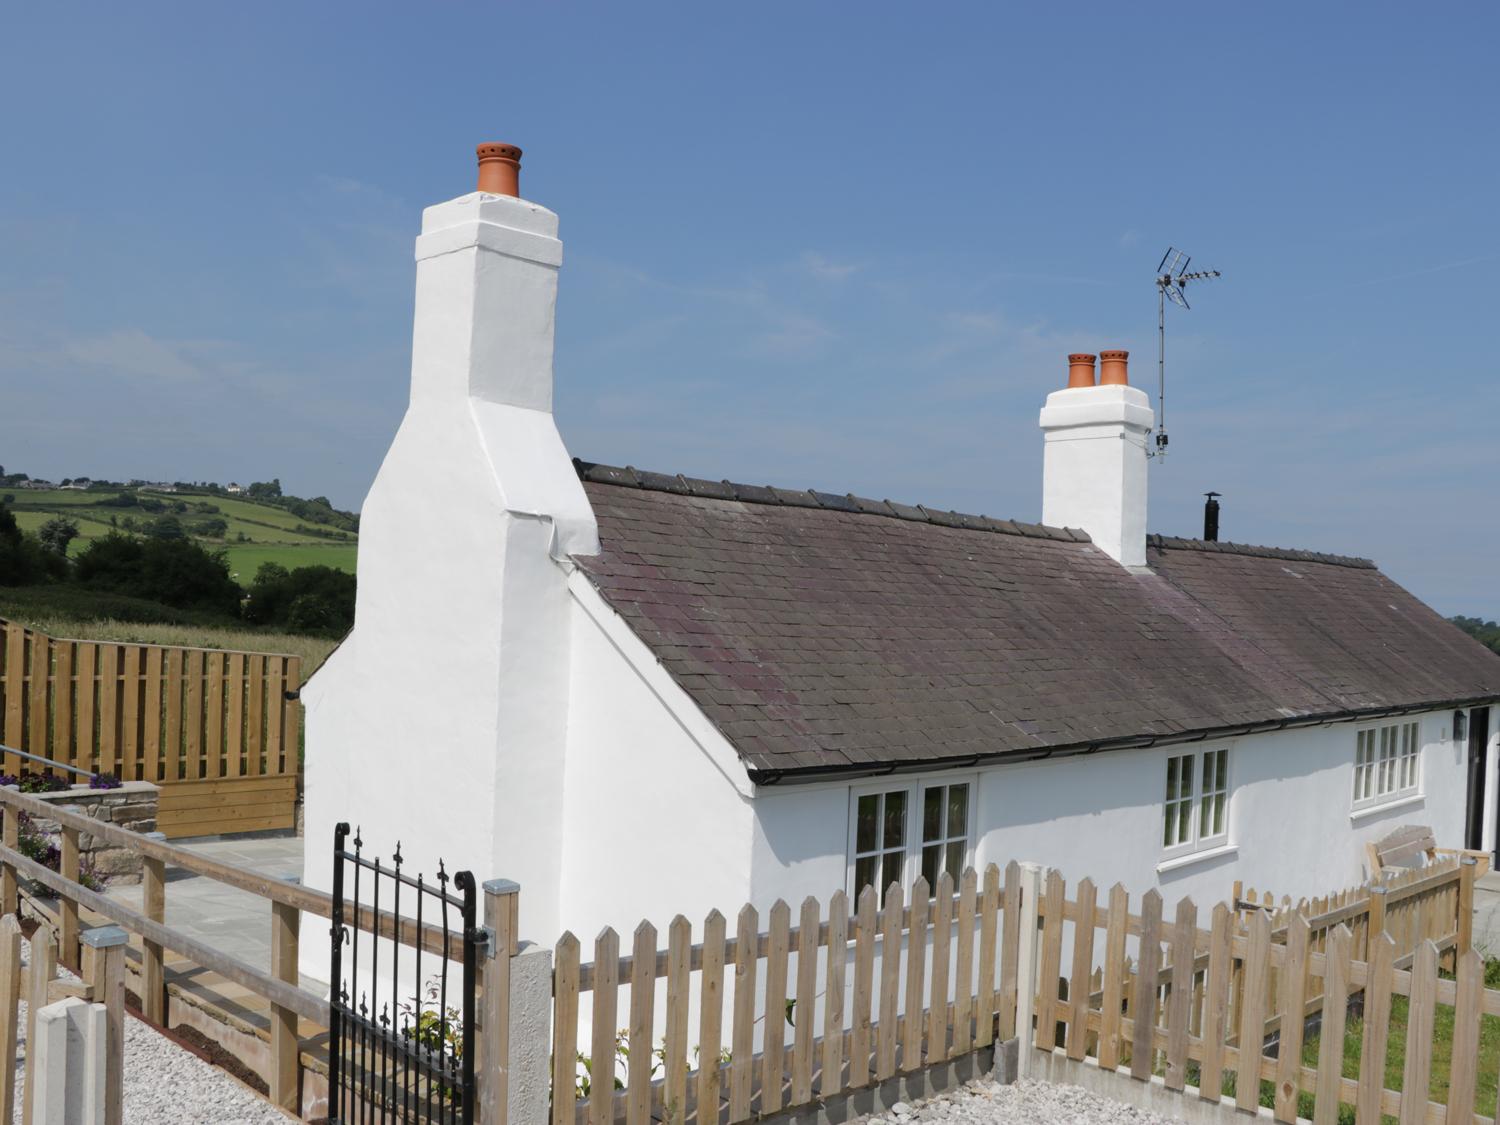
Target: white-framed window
{"points": [[899, 831], [1387, 763], [1195, 811]]}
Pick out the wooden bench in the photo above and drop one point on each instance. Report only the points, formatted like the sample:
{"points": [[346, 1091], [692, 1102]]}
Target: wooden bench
{"points": [[1414, 845]]}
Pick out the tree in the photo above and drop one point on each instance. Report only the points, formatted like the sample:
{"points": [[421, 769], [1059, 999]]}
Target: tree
{"points": [[56, 534], [23, 561], [265, 490], [175, 572], [310, 599], [166, 527], [1486, 633]]}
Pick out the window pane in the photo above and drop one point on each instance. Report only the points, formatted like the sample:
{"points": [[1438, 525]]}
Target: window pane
{"points": [[890, 871], [1185, 778], [866, 822], [932, 857], [1210, 760], [956, 860], [1184, 822], [1169, 821], [958, 811], [932, 814], [1219, 801], [864, 873], [1172, 778], [895, 819]]}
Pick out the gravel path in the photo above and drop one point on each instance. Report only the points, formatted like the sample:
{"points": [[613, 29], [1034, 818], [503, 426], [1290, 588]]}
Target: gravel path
{"points": [[166, 1085], [985, 1102]]}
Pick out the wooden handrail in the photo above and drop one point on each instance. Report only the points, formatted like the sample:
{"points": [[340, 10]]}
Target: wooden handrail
{"points": [[305, 1004], [263, 886]]}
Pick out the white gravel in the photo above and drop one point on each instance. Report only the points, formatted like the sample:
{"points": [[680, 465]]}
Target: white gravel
{"points": [[166, 1085], [986, 1102]]}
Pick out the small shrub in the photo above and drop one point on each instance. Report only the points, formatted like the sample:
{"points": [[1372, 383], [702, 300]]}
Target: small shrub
{"points": [[104, 781], [28, 782]]}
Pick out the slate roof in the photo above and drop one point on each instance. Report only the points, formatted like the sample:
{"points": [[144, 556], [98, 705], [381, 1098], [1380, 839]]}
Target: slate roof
{"points": [[830, 634]]}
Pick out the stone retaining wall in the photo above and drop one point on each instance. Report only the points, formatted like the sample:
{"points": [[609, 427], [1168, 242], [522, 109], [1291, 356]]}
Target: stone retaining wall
{"points": [[132, 806]]}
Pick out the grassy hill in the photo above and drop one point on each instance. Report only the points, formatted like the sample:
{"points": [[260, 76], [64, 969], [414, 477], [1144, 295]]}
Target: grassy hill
{"points": [[254, 532]]}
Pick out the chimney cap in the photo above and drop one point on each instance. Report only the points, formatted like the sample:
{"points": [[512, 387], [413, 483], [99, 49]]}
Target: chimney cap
{"points": [[499, 168], [1082, 357]]}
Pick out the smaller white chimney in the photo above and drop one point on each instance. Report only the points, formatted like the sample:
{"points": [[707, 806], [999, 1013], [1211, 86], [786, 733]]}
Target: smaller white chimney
{"points": [[1094, 457]]}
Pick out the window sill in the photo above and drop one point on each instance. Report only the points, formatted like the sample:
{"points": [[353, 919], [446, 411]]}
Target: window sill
{"points": [[1181, 861], [1389, 806]]}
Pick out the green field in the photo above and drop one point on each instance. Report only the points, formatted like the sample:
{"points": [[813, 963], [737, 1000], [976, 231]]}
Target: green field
{"points": [[255, 533]]}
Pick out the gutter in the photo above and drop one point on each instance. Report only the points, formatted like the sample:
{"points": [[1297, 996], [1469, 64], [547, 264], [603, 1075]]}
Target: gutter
{"points": [[770, 777]]}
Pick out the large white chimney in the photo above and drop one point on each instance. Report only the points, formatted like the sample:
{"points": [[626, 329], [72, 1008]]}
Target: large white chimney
{"points": [[1094, 457], [441, 720]]}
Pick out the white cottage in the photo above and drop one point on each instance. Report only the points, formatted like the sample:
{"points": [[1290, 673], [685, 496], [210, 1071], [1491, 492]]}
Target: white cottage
{"points": [[639, 694]]}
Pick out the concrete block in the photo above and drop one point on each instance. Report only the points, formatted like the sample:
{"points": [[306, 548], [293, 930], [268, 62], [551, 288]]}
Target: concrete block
{"points": [[68, 1063], [1007, 1061]]}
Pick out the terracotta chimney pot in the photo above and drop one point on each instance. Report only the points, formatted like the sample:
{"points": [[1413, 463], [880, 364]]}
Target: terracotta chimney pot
{"points": [[499, 169], [1112, 369], [1080, 370]]}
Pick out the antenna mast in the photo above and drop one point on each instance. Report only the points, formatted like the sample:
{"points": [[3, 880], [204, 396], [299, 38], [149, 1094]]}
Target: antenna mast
{"points": [[1172, 278]]}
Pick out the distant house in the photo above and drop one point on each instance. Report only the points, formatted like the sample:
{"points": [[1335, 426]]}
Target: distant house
{"points": [[78, 484], [637, 693], [233, 489], [36, 483]]}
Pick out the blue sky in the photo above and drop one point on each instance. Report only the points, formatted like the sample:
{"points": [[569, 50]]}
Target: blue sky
{"points": [[831, 245]]}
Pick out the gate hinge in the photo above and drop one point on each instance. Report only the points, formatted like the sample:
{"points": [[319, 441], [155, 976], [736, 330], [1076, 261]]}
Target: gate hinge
{"points": [[484, 940]]}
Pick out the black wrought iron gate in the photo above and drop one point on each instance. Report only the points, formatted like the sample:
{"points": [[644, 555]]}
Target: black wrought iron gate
{"points": [[401, 1040]]}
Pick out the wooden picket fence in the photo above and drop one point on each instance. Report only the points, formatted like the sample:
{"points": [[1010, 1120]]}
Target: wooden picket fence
{"points": [[873, 1025], [1429, 903], [1229, 1006], [217, 730]]}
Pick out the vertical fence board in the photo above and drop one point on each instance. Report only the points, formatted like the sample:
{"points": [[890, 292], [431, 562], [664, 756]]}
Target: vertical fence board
{"points": [[742, 1045], [172, 721], [1293, 1000], [565, 1030], [1466, 1023], [291, 721], [804, 1019], [41, 672], [1215, 1006], [942, 945], [62, 708], [833, 994], [679, 960], [1113, 998], [213, 727], [1143, 1006], [130, 714], [109, 709], [275, 715], [774, 1032], [1010, 949], [255, 717], [1080, 979], [234, 723], [85, 694], [642, 1011], [1377, 1028], [192, 718], [151, 719], [606, 998], [1179, 1002], [1051, 962], [711, 1017], [1253, 1012], [864, 988], [963, 989], [890, 977], [1419, 1022], [1331, 1042], [15, 699], [989, 920], [916, 975]]}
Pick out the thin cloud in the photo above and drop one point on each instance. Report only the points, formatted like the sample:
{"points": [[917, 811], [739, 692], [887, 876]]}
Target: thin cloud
{"points": [[825, 269], [135, 354]]}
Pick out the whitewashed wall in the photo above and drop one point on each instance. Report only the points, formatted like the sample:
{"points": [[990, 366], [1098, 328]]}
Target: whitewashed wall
{"points": [[657, 815], [1100, 816]]}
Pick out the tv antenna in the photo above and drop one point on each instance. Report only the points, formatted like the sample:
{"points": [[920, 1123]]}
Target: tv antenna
{"points": [[1172, 279]]}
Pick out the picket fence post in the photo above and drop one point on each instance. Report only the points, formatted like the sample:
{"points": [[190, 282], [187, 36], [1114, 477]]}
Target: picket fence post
{"points": [[1026, 990]]}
